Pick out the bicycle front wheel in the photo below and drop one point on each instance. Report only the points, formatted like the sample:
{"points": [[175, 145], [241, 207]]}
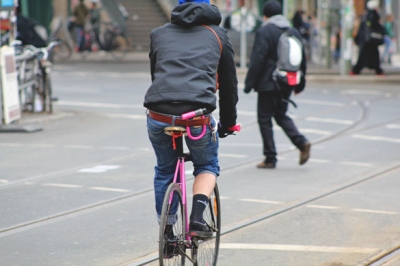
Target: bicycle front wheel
{"points": [[119, 46], [207, 251], [172, 242]]}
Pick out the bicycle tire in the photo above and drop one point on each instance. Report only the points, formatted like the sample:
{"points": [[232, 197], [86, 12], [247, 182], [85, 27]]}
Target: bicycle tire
{"points": [[207, 251], [119, 46], [63, 51], [47, 95], [179, 228]]}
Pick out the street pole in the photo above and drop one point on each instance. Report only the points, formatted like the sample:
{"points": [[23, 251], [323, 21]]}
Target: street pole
{"points": [[347, 38], [285, 8], [243, 36]]}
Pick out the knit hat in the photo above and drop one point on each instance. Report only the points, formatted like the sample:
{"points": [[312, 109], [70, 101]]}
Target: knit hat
{"points": [[372, 4], [272, 8], [193, 1]]}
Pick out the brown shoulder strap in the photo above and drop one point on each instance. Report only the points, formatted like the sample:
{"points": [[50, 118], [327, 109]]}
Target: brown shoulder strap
{"points": [[216, 35], [220, 48]]}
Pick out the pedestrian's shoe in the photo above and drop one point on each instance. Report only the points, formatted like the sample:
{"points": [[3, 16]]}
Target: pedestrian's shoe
{"points": [[201, 230], [305, 153], [170, 246], [266, 165], [352, 73]]}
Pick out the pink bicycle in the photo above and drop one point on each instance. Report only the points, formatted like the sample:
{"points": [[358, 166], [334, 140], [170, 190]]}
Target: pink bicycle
{"points": [[174, 225]]}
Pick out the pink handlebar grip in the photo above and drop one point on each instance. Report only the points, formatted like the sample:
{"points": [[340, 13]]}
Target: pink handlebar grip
{"points": [[236, 128]]}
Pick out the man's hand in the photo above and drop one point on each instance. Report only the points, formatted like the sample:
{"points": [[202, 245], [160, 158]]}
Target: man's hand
{"points": [[247, 90], [223, 132]]}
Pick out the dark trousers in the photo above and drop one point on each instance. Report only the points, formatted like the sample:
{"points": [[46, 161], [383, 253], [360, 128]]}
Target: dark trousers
{"points": [[270, 105], [368, 57]]}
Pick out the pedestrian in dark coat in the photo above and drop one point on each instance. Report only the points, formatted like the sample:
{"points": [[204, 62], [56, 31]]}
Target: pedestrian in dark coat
{"points": [[272, 103], [368, 55]]}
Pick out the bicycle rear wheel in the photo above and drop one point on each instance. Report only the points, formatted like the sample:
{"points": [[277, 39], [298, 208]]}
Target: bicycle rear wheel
{"points": [[207, 251], [172, 246], [119, 46]]}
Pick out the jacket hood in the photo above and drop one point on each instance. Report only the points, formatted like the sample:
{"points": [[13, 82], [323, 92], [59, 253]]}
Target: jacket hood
{"points": [[279, 21], [195, 14]]}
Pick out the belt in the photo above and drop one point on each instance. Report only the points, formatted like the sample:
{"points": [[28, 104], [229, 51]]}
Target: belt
{"points": [[174, 120]]}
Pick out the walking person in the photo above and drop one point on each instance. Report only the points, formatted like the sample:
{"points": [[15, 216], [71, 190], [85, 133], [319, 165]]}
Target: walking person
{"points": [[368, 55], [95, 21], [80, 14], [185, 57], [389, 39], [271, 102]]}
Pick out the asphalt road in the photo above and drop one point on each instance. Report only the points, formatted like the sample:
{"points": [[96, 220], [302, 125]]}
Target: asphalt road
{"points": [[79, 192]]}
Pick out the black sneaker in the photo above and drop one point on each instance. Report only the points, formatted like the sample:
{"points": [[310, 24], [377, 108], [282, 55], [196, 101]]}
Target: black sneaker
{"points": [[169, 248], [202, 230]]}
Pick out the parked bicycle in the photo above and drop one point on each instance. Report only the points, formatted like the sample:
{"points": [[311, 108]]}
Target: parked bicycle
{"points": [[61, 34], [174, 239], [113, 40], [34, 68]]}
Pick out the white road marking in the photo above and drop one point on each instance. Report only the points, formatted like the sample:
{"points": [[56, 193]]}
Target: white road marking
{"points": [[298, 248], [322, 207], [315, 131], [11, 144], [100, 105], [3, 181], [378, 138], [110, 189], [115, 148], [232, 155], [307, 130], [393, 126], [61, 185], [357, 164], [374, 211], [99, 169], [318, 160], [330, 120], [78, 147], [43, 145], [313, 102], [261, 201], [362, 92], [235, 144], [225, 198]]}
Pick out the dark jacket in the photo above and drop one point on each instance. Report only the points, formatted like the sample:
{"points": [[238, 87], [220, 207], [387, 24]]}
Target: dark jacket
{"points": [[265, 55], [370, 21], [184, 59]]}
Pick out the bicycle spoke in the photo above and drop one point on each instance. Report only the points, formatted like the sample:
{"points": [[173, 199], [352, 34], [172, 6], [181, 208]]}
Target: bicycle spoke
{"points": [[172, 246]]}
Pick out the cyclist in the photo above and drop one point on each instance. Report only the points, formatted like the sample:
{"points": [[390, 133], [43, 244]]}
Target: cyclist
{"points": [[185, 57]]}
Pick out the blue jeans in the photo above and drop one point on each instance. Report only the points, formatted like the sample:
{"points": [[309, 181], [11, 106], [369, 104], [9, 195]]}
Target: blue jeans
{"points": [[386, 52], [204, 153]]}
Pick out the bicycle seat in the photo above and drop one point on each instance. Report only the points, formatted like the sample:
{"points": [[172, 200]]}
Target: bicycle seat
{"points": [[174, 130]]}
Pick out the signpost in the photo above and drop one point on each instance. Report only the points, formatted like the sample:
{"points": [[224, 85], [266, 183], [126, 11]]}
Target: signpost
{"points": [[9, 84], [347, 38]]}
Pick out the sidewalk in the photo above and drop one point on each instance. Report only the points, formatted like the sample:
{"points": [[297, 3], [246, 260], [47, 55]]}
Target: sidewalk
{"points": [[314, 72]]}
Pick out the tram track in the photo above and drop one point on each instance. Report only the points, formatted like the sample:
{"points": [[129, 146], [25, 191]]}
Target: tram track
{"points": [[239, 225], [254, 220], [105, 203]]}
